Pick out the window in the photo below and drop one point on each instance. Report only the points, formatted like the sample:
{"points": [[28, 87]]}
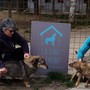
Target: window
{"points": [[47, 1], [60, 1], [33, 0], [85, 1]]}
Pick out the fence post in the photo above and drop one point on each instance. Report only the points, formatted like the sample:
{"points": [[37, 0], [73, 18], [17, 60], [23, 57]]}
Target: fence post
{"points": [[9, 8]]}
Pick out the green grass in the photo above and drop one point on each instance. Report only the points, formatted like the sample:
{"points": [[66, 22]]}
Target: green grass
{"points": [[70, 83], [35, 88], [59, 77]]}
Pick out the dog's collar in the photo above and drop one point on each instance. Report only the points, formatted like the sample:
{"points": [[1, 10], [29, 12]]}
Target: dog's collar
{"points": [[79, 70]]}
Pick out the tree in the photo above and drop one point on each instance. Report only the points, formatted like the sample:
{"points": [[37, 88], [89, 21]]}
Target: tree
{"points": [[72, 12]]}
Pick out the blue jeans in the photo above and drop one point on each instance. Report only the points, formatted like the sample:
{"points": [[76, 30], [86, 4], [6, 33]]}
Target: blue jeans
{"points": [[2, 65]]}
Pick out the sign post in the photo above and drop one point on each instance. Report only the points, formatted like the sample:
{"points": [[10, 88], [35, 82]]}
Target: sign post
{"points": [[51, 40]]}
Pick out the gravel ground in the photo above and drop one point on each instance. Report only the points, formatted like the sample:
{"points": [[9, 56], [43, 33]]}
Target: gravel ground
{"points": [[35, 85]]}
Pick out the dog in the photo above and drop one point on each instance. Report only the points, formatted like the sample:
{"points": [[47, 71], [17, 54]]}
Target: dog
{"points": [[24, 70], [32, 64], [82, 69]]}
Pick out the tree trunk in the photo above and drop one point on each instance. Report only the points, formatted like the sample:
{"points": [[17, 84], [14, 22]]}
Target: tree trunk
{"points": [[72, 12]]}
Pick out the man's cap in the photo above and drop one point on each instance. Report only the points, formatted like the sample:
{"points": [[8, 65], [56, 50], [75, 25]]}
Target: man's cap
{"points": [[8, 23]]}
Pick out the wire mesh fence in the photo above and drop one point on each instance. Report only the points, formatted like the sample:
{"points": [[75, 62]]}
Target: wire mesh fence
{"points": [[25, 11]]}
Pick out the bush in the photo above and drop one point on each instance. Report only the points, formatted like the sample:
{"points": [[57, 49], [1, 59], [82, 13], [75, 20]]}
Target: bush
{"points": [[70, 83]]}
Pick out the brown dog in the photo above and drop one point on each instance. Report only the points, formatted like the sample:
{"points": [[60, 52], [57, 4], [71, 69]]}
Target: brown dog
{"points": [[32, 64], [36, 62], [82, 69]]}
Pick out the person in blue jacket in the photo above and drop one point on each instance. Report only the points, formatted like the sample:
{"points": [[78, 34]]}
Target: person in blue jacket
{"points": [[8, 39], [83, 49]]}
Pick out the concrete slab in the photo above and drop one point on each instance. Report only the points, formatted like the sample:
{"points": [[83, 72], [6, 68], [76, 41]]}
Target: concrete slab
{"points": [[80, 87]]}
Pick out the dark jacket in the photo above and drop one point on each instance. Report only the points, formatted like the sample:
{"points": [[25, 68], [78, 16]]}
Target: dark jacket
{"points": [[7, 45]]}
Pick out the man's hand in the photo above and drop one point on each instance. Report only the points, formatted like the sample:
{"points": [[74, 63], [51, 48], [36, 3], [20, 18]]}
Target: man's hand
{"points": [[80, 59], [3, 70], [26, 55]]}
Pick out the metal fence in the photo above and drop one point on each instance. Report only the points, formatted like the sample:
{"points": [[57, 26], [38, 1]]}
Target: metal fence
{"points": [[25, 11]]}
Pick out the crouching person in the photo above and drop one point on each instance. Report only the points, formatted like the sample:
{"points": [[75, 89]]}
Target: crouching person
{"points": [[8, 39]]}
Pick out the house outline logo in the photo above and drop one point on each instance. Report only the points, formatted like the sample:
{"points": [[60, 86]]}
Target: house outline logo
{"points": [[49, 28], [52, 38]]}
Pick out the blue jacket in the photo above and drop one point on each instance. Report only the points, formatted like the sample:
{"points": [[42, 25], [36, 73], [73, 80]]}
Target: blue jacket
{"points": [[7, 45], [84, 48]]}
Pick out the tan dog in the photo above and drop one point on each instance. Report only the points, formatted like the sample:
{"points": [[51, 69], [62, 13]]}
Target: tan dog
{"points": [[32, 64], [36, 62], [82, 69]]}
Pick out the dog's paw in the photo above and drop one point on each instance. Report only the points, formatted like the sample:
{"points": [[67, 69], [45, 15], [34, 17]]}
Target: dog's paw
{"points": [[76, 84], [86, 86], [26, 83]]}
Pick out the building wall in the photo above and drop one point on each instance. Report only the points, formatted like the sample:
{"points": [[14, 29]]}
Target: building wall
{"points": [[80, 6], [47, 7]]}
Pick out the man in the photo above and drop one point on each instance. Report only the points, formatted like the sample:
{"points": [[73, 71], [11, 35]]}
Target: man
{"points": [[84, 48], [8, 39]]}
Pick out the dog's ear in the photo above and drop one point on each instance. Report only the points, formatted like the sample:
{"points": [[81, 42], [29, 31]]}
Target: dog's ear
{"points": [[34, 59], [38, 57], [35, 62], [76, 52]]}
